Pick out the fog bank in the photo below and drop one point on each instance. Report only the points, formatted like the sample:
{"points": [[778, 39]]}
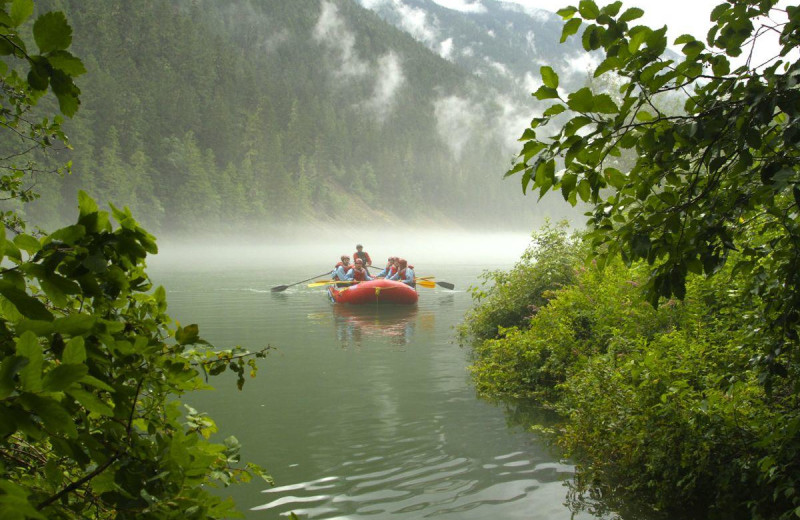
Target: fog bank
{"points": [[312, 247]]}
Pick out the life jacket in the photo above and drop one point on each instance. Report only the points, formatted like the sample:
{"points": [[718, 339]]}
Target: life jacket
{"points": [[337, 266], [363, 256], [360, 275], [402, 274]]}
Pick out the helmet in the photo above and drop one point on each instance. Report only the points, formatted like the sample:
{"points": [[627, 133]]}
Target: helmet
{"points": [[359, 261], [359, 246], [345, 257]]}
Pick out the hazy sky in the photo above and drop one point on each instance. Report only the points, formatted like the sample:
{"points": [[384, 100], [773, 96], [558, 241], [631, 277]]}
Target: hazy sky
{"points": [[681, 16]]}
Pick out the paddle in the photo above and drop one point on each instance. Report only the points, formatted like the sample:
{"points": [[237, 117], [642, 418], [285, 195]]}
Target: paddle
{"points": [[327, 282], [279, 288], [446, 285], [424, 281]]}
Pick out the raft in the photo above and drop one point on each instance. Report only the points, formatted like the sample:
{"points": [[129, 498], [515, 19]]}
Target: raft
{"points": [[375, 291]]}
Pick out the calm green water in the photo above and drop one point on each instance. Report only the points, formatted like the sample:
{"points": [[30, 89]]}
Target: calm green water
{"points": [[362, 412]]}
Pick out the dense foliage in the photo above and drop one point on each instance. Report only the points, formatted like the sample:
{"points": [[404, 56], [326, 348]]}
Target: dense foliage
{"points": [[720, 177], [688, 402], [509, 298], [91, 367], [205, 115], [662, 406]]}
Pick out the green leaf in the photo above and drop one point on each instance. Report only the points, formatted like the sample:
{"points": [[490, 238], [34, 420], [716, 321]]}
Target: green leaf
{"points": [[27, 243], [39, 327], [631, 14], [584, 190], [26, 304], [38, 77], [86, 205], [570, 28], [692, 49], [68, 103], [644, 115], [581, 101], [187, 335], [545, 92], [603, 104], [57, 287], [615, 178], [639, 35], [74, 351], [549, 77], [68, 235], [56, 419], [63, 376], [610, 63], [31, 374], [20, 11], [640, 245], [9, 368], [91, 402], [67, 63], [575, 124], [612, 9], [93, 381], [52, 32], [554, 110], [568, 182], [588, 9], [591, 38], [567, 12]]}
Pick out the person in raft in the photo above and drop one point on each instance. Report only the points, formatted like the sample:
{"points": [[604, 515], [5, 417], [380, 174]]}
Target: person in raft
{"points": [[405, 273], [343, 270], [360, 273], [363, 255], [389, 270]]}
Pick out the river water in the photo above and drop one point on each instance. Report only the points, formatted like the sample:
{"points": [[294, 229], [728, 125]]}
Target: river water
{"points": [[361, 412]]}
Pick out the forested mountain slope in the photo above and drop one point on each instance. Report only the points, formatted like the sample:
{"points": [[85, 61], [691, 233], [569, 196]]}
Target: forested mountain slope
{"points": [[203, 115]]}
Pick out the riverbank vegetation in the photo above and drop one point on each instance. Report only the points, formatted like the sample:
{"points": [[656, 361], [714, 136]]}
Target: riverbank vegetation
{"points": [[92, 368], [673, 352], [662, 404]]}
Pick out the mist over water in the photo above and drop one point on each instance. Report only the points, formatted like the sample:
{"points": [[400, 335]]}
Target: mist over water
{"points": [[315, 247]]}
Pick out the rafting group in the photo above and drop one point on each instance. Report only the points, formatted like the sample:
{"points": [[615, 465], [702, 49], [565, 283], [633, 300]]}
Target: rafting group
{"points": [[396, 283], [353, 283], [397, 269]]}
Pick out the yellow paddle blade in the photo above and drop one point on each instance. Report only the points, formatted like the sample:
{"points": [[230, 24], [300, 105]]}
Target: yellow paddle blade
{"points": [[328, 282], [426, 283]]}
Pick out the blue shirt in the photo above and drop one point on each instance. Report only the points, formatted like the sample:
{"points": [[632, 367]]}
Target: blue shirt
{"points": [[342, 273]]}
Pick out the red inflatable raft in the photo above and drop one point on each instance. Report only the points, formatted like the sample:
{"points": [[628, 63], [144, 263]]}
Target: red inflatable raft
{"points": [[375, 291]]}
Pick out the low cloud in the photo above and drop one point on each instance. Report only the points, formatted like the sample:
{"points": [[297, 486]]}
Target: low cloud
{"points": [[332, 32], [582, 64], [446, 49], [456, 121], [390, 79], [415, 22], [465, 6]]}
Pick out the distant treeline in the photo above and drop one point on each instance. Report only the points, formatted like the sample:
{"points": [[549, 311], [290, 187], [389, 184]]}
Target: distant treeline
{"points": [[198, 114]]}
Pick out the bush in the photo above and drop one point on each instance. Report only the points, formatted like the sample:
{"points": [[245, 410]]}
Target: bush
{"points": [[662, 406], [508, 299]]}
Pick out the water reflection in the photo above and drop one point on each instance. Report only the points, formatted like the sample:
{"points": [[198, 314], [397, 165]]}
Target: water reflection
{"points": [[396, 323]]}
